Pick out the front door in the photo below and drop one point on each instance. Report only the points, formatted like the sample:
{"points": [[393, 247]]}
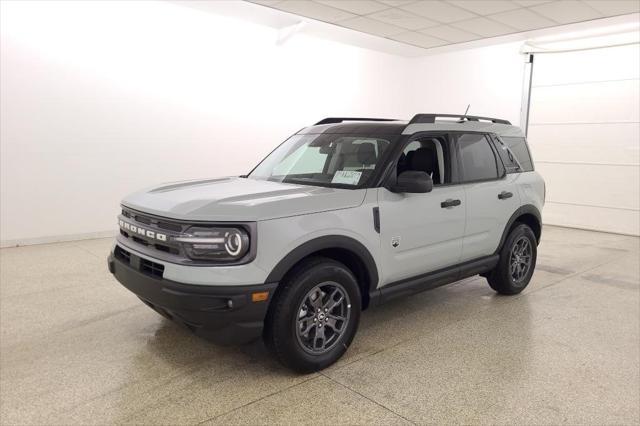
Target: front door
{"points": [[418, 234], [421, 233]]}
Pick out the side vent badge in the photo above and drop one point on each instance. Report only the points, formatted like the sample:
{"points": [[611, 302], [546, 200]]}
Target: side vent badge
{"points": [[395, 242]]}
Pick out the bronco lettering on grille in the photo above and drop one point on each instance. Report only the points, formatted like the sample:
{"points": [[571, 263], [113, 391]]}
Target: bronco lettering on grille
{"points": [[134, 229]]}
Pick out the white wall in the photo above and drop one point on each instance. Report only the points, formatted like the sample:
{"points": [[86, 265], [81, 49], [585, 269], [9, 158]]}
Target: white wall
{"points": [[102, 98], [489, 78]]}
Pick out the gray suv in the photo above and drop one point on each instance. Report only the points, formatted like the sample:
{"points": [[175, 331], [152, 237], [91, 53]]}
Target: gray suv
{"points": [[342, 216]]}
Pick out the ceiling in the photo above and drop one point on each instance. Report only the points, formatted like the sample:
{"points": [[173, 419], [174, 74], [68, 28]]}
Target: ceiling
{"points": [[435, 23]]}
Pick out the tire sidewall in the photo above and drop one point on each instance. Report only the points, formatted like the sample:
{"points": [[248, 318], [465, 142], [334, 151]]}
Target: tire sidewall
{"points": [[285, 318], [517, 232]]}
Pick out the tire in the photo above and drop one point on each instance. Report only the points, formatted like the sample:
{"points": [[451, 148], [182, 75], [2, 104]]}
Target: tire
{"points": [[506, 278], [291, 332]]}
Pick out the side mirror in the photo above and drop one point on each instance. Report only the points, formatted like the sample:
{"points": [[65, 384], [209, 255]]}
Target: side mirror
{"points": [[413, 181]]}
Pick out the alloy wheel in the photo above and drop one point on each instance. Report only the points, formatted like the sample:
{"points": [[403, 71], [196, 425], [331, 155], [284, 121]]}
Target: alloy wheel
{"points": [[323, 317], [520, 259]]}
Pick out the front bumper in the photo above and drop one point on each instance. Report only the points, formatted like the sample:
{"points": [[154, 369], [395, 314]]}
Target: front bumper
{"points": [[222, 314]]}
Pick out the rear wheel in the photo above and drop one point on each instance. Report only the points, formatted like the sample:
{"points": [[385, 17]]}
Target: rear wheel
{"points": [[517, 262], [314, 316]]}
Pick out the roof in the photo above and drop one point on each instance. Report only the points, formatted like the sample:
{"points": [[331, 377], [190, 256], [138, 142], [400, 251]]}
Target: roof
{"points": [[358, 128], [402, 127], [474, 126]]}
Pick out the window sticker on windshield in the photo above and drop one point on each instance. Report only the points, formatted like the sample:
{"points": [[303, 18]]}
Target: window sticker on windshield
{"points": [[347, 177]]}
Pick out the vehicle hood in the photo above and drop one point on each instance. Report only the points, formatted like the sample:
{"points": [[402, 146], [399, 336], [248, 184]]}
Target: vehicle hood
{"points": [[240, 199]]}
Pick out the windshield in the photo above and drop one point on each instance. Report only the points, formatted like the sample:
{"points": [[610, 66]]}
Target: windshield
{"points": [[334, 160]]}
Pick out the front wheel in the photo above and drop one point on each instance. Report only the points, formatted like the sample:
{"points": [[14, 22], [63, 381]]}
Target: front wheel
{"points": [[517, 261], [314, 316]]}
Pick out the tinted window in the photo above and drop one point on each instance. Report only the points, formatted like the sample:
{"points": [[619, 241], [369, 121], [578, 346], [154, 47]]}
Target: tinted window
{"points": [[478, 159], [434, 159], [507, 156], [519, 148]]}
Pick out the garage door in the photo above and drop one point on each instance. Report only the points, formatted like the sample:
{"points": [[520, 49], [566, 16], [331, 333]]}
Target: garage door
{"points": [[584, 134]]}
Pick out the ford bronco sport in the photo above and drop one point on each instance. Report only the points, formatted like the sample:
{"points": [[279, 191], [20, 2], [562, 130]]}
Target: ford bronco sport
{"points": [[342, 216]]}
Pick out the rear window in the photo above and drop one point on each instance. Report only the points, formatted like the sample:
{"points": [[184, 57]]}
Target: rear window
{"points": [[519, 148]]}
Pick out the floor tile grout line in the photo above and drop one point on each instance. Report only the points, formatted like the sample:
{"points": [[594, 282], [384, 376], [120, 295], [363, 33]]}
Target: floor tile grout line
{"points": [[258, 400], [575, 274], [510, 300], [86, 251], [189, 370], [367, 398]]}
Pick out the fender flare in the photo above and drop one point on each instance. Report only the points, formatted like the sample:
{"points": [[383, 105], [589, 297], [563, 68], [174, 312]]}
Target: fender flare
{"points": [[323, 243], [526, 209]]}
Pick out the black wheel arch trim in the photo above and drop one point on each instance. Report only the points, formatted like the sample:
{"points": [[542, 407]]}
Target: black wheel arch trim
{"points": [[526, 209], [327, 242]]}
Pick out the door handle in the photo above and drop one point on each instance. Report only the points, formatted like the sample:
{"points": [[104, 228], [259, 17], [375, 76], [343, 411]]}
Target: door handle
{"points": [[504, 195], [450, 203]]}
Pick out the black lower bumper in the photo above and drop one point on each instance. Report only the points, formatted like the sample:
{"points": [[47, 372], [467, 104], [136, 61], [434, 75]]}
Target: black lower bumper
{"points": [[222, 314]]}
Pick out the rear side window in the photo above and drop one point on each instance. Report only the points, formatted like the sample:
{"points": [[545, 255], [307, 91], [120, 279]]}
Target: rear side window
{"points": [[478, 158], [518, 147], [507, 156]]}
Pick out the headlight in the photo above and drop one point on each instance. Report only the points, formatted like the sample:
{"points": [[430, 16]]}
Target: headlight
{"points": [[221, 244]]}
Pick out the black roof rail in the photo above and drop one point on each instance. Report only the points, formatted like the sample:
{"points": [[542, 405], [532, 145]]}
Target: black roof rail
{"points": [[431, 118], [332, 120]]}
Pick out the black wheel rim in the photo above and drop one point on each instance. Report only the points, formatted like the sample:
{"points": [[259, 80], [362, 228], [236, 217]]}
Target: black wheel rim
{"points": [[520, 259], [323, 317]]}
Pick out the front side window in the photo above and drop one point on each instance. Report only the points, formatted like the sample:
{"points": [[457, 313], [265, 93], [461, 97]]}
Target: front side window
{"points": [[430, 155], [478, 159], [332, 160]]}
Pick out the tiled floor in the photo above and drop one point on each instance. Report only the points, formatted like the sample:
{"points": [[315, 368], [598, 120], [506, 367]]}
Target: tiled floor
{"points": [[78, 348]]}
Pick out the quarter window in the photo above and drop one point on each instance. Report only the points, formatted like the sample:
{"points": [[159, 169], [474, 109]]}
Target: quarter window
{"points": [[507, 156], [519, 148], [478, 159]]}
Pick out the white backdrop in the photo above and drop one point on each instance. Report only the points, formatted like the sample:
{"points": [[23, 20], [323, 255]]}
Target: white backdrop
{"points": [[103, 98], [585, 136]]}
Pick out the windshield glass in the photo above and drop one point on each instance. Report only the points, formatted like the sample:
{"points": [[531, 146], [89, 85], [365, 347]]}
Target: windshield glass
{"points": [[334, 160]]}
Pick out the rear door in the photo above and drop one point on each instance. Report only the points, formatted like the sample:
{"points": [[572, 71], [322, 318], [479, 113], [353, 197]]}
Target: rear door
{"points": [[491, 194]]}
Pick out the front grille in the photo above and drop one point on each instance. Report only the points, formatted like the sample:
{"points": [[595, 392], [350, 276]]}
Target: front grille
{"points": [[155, 236], [145, 266], [151, 268], [169, 226], [122, 254], [154, 224], [143, 219], [140, 241]]}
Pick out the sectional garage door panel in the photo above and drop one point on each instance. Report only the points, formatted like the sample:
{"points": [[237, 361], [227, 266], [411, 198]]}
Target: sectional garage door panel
{"points": [[613, 187], [584, 135], [599, 219], [578, 143], [588, 66], [598, 102]]}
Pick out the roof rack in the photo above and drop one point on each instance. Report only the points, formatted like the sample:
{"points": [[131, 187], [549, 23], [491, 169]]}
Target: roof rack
{"points": [[332, 120], [431, 118]]}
